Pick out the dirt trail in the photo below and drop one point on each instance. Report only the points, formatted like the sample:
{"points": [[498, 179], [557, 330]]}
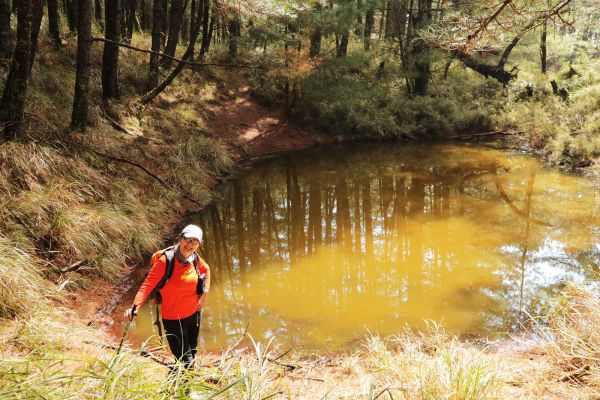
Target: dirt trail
{"points": [[249, 129]]}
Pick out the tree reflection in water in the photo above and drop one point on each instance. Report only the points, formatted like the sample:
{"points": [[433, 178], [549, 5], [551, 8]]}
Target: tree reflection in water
{"points": [[320, 247]]}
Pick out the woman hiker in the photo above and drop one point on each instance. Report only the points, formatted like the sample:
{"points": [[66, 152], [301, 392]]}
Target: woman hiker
{"points": [[182, 296]]}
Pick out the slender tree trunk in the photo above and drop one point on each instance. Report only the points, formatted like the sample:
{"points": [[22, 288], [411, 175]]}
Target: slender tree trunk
{"points": [[137, 26], [189, 52], [185, 28], [15, 89], [369, 21], [54, 22], [123, 19], [358, 30], [71, 8], [315, 42], [316, 34], [157, 20], [143, 15], [390, 14], [36, 24], [165, 21], [82, 77], [110, 57], [543, 59], [207, 27], [175, 20], [218, 34], [419, 49], [214, 18], [98, 11], [130, 10], [234, 35], [5, 46], [382, 19], [343, 46]]}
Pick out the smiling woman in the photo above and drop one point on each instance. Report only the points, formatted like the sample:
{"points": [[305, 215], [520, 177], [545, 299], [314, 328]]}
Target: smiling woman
{"points": [[179, 281]]}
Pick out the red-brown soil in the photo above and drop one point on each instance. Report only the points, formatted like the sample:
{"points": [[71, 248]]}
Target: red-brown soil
{"points": [[249, 129]]}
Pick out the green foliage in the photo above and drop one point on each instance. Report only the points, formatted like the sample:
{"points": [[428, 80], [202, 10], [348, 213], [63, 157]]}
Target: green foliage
{"points": [[566, 131], [365, 101]]}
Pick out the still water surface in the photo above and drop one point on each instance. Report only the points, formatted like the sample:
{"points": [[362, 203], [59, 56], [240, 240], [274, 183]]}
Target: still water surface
{"points": [[318, 248]]}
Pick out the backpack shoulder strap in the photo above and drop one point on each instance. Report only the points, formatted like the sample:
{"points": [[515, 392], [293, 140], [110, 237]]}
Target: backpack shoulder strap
{"points": [[196, 262], [201, 278], [169, 253]]}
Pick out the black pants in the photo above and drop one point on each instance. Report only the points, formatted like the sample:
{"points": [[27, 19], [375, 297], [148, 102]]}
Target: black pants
{"points": [[182, 335]]}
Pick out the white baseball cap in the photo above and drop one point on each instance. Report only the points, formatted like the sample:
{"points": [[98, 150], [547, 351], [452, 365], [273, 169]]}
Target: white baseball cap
{"points": [[192, 231]]}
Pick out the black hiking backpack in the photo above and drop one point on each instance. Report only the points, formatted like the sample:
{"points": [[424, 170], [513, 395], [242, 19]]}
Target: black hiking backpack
{"points": [[169, 253]]}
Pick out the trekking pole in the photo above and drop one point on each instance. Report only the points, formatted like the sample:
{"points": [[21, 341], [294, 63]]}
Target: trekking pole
{"points": [[159, 326], [127, 325]]}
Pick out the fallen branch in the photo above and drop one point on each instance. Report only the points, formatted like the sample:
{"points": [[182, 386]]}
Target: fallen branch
{"points": [[72, 267], [274, 360], [116, 125], [386, 389], [197, 64], [291, 367], [143, 353], [314, 379], [479, 135], [146, 170]]}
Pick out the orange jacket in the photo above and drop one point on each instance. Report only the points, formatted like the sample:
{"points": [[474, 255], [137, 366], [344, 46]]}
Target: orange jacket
{"points": [[179, 298]]}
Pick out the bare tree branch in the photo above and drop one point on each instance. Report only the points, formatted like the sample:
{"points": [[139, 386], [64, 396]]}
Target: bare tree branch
{"points": [[197, 64]]}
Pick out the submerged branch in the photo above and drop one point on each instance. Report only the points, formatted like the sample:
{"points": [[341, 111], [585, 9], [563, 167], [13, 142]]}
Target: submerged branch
{"points": [[516, 209], [479, 135]]}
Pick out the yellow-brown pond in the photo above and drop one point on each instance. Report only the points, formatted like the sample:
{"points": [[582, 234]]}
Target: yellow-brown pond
{"points": [[320, 248]]}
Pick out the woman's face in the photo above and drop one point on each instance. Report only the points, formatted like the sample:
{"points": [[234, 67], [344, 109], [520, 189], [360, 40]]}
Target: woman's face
{"points": [[188, 245]]}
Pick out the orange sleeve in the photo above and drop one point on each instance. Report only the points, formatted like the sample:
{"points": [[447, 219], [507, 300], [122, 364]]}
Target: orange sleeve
{"points": [[154, 276]]}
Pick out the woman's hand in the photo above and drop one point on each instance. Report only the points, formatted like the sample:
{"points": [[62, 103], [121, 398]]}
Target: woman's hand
{"points": [[130, 313], [201, 301]]}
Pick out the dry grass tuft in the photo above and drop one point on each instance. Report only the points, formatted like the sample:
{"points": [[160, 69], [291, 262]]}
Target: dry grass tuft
{"points": [[432, 365], [22, 287], [571, 338]]}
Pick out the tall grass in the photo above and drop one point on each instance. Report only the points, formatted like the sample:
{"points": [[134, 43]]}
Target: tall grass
{"points": [[66, 210]]}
